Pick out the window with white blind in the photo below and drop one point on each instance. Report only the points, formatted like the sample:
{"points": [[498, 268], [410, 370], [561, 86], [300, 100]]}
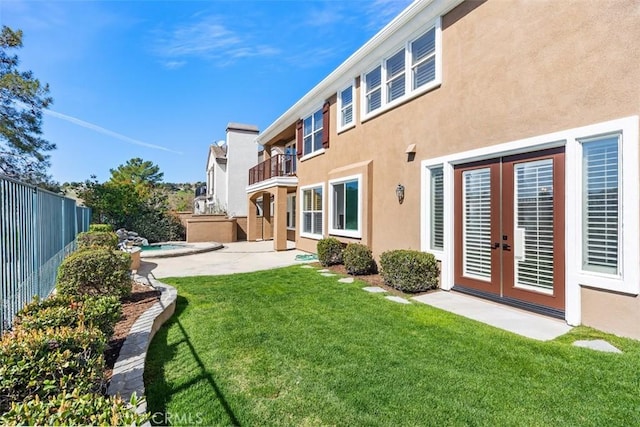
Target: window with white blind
{"points": [[291, 211], [437, 209], [373, 89], [394, 67], [344, 206], [312, 132], [345, 108], [407, 72], [601, 208], [312, 212]]}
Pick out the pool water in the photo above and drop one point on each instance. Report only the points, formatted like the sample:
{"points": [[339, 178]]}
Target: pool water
{"points": [[161, 247]]}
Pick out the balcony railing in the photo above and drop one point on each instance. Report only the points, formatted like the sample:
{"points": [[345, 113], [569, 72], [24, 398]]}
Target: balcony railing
{"points": [[278, 165]]}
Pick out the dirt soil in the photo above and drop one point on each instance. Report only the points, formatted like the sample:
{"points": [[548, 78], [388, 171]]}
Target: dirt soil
{"points": [[371, 279], [142, 297]]}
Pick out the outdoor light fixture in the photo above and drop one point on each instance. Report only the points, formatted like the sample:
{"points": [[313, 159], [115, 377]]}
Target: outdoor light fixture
{"points": [[400, 193]]}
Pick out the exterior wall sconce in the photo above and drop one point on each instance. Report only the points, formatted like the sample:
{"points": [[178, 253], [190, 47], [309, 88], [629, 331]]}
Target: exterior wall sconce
{"points": [[400, 193]]}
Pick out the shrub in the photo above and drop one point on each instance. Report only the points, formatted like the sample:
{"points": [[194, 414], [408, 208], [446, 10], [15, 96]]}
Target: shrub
{"points": [[358, 259], [329, 251], [46, 362], [97, 239], [409, 271], [95, 272], [102, 228], [100, 312], [75, 408]]}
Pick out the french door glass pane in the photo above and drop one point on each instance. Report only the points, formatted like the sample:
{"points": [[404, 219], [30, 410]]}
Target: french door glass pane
{"points": [[476, 223], [533, 213]]}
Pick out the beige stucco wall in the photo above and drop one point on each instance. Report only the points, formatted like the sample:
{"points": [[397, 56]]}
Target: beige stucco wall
{"points": [[511, 70], [211, 228], [612, 312]]}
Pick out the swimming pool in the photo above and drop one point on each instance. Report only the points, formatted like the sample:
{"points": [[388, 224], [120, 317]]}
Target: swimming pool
{"points": [[162, 246]]}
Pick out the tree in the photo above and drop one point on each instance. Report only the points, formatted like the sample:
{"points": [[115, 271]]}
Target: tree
{"points": [[137, 172], [22, 99]]}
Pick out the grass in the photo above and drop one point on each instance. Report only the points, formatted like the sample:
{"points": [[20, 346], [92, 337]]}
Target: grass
{"points": [[290, 347]]}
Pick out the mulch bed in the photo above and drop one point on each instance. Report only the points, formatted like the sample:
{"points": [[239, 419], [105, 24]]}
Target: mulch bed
{"points": [[142, 298]]}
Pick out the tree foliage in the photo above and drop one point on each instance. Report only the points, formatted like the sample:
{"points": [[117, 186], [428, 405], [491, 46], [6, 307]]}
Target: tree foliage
{"points": [[22, 99], [143, 174]]}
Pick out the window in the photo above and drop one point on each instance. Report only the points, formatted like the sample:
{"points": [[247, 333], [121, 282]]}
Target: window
{"points": [[312, 212], [395, 76], [291, 210], [312, 132], [437, 209], [423, 59], [407, 72], [345, 206], [373, 89], [345, 107], [601, 205]]}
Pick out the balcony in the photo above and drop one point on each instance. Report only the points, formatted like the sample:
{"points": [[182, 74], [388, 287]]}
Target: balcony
{"points": [[278, 165]]}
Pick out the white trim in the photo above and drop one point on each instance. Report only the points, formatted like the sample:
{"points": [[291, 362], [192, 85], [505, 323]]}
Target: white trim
{"points": [[277, 181], [409, 92], [301, 211], [311, 155], [339, 127], [575, 277], [345, 233]]}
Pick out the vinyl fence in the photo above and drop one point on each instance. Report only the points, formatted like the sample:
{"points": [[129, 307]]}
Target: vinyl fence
{"points": [[37, 230]]}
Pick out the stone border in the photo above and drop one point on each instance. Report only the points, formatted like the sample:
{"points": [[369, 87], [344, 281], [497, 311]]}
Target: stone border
{"points": [[128, 370]]}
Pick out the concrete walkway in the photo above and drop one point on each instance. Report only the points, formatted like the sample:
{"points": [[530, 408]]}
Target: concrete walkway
{"points": [[501, 316], [236, 257]]}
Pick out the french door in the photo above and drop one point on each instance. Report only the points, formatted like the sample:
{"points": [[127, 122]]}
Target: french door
{"points": [[509, 229]]}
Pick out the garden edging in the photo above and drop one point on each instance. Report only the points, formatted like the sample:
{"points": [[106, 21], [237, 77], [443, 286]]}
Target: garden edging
{"points": [[128, 371]]}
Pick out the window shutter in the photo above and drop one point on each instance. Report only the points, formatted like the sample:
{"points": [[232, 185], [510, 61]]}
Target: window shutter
{"points": [[325, 125], [299, 138]]}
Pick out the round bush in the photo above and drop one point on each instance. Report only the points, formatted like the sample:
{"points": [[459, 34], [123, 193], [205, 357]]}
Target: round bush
{"points": [[330, 251], [100, 312], [74, 409], [97, 239], [105, 228], [45, 362], [358, 259], [95, 272], [409, 271]]}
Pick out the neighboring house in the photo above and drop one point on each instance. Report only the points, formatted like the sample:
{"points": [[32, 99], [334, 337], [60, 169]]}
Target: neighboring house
{"points": [[510, 127], [227, 166]]}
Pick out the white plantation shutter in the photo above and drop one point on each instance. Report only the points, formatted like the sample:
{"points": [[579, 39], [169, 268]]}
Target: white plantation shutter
{"points": [[423, 59], [601, 205], [437, 209], [477, 223], [373, 82], [395, 76]]}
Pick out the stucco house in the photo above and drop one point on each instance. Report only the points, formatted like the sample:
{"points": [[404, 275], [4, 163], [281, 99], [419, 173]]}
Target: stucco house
{"points": [[501, 136], [227, 165]]}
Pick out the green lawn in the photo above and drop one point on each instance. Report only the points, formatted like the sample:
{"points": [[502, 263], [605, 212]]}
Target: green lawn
{"points": [[290, 347]]}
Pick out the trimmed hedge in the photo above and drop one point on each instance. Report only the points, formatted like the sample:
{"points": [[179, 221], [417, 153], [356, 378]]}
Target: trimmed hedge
{"points": [[330, 251], [106, 228], [75, 409], [95, 272], [50, 361], [100, 312], [358, 259], [409, 270], [97, 239]]}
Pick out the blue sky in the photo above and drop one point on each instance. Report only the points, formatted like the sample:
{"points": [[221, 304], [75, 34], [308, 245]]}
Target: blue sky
{"points": [[160, 80]]}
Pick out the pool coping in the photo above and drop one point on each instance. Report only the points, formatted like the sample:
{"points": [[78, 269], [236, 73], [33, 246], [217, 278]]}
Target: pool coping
{"points": [[191, 249]]}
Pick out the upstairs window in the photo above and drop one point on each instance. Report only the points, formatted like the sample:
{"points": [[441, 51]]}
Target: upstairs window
{"points": [[345, 108], [395, 76], [423, 59], [312, 132], [373, 89], [405, 73]]}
